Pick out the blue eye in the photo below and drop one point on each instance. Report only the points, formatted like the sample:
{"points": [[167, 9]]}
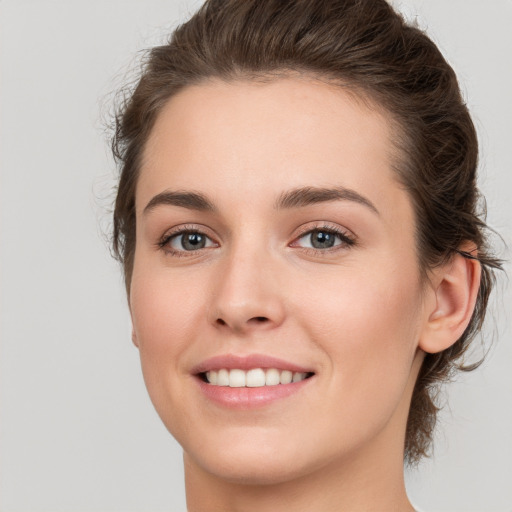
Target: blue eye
{"points": [[322, 238]]}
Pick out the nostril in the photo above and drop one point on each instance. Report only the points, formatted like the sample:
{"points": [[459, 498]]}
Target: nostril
{"points": [[254, 320]]}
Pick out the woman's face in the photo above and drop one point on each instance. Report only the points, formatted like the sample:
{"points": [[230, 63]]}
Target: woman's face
{"points": [[273, 239]]}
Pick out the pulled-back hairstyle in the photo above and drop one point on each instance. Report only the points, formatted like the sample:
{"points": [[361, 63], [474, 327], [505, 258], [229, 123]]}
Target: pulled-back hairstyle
{"points": [[363, 45]]}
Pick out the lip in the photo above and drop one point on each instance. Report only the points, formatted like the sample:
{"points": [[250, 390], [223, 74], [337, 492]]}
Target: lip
{"points": [[232, 361], [248, 398]]}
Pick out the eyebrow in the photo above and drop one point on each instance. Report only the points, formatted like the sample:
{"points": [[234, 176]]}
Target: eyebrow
{"points": [[306, 196], [295, 198], [190, 200]]}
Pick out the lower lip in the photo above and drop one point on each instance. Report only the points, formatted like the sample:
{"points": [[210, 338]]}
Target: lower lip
{"points": [[250, 398]]}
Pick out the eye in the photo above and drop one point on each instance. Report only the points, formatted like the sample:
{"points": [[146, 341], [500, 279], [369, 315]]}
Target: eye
{"points": [[323, 238], [186, 241]]}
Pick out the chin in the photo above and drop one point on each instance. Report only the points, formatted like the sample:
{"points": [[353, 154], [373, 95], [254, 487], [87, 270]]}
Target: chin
{"points": [[253, 471], [250, 460]]}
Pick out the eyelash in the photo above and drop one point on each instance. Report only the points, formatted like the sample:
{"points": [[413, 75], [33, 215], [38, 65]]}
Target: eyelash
{"points": [[347, 240], [163, 244]]}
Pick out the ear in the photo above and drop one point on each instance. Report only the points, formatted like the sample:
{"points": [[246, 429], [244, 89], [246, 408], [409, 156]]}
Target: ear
{"points": [[452, 301], [135, 341], [134, 338]]}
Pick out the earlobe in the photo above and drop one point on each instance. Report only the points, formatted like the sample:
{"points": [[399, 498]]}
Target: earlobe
{"points": [[134, 338], [455, 289], [135, 341]]}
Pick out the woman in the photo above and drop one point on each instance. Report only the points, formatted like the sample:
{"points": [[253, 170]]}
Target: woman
{"points": [[297, 220]]}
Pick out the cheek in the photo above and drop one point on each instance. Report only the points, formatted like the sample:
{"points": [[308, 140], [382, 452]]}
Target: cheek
{"points": [[165, 317], [368, 328], [353, 300], [164, 312], [368, 323]]}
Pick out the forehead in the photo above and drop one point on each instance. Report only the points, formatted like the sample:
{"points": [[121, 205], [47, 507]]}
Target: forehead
{"points": [[256, 139]]}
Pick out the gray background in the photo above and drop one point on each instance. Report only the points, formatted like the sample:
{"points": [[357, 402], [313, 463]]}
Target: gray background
{"points": [[77, 431]]}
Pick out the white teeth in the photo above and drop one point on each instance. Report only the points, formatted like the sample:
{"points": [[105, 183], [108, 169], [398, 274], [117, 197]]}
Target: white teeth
{"points": [[286, 377], [223, 378], [298, 376], [212, 377], [272, 377], [236, 379], [254, 378]]}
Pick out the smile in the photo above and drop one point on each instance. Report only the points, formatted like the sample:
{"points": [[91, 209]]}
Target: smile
{"points": [[253, 378], [250, 381]]}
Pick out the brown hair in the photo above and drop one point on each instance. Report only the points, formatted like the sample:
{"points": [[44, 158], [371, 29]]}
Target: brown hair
{"points": [[366, 46]]}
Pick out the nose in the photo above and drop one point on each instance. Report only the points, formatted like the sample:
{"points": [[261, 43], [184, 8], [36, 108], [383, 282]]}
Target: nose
{"points": [[247, 294]]}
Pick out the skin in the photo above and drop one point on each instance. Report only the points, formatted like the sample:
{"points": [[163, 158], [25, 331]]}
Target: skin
{"points": [[358, 315]]}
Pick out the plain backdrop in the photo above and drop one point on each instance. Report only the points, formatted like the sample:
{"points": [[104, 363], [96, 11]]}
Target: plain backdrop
{"points": [[77, 430]]}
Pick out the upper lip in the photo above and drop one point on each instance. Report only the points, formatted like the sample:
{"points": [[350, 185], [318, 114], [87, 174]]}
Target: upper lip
{"points": [[247, 362]]}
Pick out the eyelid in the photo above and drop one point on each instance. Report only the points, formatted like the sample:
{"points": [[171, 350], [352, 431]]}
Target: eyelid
{"points": [[163, 242], [347, 238]]}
